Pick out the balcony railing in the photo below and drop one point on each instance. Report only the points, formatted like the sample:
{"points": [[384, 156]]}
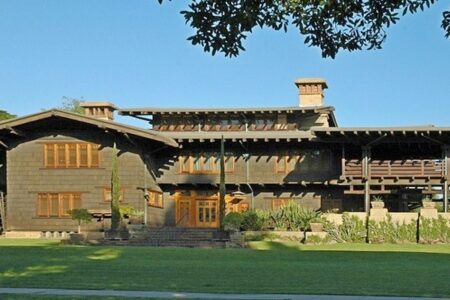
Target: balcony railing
{"points": [[395, 168], [228, 127]]}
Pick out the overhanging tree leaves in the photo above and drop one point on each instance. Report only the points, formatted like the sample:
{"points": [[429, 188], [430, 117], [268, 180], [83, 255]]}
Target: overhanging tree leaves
{"points": [[331, 25]]}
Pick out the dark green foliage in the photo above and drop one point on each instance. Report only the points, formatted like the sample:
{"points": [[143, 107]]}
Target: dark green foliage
{"points": [[434, 230], [388, 231], [81, 215], [233, 221], [255, 220], [4, 115], [352, 230], [222, 187], [72, 105], [222, 26], [115, 192]]}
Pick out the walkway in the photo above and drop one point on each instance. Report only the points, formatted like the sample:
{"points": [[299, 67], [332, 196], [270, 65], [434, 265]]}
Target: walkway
{"points": [[176, 295]]}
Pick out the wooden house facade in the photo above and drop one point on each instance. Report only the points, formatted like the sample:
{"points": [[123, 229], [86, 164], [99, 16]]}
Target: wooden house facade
{"points": [[54, 161]]}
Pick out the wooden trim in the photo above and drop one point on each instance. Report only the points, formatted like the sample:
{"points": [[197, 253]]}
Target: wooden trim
{"points": [[54, 146], [150, 198], [61, 213]]}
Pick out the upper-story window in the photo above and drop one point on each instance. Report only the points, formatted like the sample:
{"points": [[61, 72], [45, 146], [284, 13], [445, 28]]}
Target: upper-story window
{"points": [[71, 155], [205, 163], [286, 163], [264, 122]]}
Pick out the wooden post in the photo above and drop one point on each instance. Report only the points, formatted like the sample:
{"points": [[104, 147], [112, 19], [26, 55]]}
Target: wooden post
{"points": [[445, 177], [343, 161], [366, 177]]}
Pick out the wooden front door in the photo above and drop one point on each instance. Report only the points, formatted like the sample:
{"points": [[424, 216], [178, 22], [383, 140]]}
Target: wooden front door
{"points": [[183, 213], [207, 213]]}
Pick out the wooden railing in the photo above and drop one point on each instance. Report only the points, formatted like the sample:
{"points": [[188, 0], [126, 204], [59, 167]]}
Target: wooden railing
{"points": [[241, 127], [395, 168]]}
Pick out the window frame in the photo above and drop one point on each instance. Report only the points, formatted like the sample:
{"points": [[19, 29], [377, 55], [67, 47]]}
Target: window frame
{"points": [[73, 197], [213, 160], [151, 196], [107, 191], [92, 155]]}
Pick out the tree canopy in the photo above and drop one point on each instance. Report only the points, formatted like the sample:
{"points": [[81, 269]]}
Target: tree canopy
{"points": [[331, 25], [72, 105], [4, 115]]}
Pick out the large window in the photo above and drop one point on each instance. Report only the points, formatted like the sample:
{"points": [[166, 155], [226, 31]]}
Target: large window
{"points": [[57, 204], [205, 163], [71, 155], [155, 199]]}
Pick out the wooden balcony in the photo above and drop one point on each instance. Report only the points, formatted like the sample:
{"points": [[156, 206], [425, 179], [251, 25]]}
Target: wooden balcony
{"points": [[427, 168], [227, 127]]}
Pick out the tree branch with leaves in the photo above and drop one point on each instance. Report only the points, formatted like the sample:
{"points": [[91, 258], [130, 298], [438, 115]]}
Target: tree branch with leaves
{"points": [[331, 25]]}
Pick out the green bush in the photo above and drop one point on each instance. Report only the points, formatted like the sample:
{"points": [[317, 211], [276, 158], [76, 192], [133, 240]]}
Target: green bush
{"points": [[352, 230], [388, 231], [233, 221], [294, 217], [255, 220], [434, 230]]}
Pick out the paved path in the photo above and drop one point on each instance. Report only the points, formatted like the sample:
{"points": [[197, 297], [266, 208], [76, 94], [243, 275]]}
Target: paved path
{"points": [[176, 295]]}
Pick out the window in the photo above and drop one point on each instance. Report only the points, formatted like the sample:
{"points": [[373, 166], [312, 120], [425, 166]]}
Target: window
{"points": [[205, 163], [107, 194], [57, 204], [286, 163], [155, 199], [71, 155]]}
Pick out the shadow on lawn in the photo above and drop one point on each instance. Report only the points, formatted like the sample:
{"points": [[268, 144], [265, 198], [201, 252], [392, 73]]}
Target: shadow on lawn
{"points": [[286, 268]]}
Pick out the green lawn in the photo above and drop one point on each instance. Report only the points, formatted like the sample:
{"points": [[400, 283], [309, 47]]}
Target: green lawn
{"points": [[353, 269]]}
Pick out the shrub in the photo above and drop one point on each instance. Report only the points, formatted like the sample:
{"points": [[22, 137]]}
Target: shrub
{"points": [[352, 230], [294, 217], [388, 231], [434, 230], [233, 221], [255, 220], [81, 215]]}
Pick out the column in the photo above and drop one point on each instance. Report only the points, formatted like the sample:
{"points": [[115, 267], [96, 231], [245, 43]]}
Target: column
{"points": [[366, 177]]}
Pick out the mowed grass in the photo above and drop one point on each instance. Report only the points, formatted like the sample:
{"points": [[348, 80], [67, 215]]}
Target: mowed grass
{"points": [[352, 269]]}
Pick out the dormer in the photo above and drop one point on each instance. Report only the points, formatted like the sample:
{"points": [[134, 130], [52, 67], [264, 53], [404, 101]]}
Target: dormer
{"points": [[102, 110]]}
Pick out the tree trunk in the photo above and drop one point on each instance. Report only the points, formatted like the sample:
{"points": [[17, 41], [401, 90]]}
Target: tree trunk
{"points": [[222, 189]]}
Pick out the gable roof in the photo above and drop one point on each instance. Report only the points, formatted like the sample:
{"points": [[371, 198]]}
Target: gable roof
{"points": [[10, 125]]}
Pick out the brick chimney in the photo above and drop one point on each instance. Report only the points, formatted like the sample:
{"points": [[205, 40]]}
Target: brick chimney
{"points": [[102, 110], [310, 91]]}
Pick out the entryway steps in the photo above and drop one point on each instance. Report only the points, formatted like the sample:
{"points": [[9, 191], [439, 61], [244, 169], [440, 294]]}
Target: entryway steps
{"points": [[177, 237]]}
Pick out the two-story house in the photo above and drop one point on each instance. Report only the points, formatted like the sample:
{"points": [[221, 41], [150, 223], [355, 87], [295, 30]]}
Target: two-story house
{"points": [[54, 161]]}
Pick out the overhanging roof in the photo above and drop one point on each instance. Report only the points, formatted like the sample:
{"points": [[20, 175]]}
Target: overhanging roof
{"points": [[375, 135], [11, 125], [264, 136], [190, 110]]}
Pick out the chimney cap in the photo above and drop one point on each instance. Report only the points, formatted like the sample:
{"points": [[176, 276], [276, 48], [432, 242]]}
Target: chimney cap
{"points": [[302, 81], [98, 104]]}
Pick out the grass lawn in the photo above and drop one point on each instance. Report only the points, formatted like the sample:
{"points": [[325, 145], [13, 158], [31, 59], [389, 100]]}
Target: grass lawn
{"points": [[398, 270]]}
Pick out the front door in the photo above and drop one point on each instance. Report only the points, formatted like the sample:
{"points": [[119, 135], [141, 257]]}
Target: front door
{"points": [[207, 213], [183, 213]]}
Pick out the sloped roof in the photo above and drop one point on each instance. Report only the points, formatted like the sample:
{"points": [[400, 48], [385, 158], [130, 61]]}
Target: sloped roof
{"points": [[104, 124]]}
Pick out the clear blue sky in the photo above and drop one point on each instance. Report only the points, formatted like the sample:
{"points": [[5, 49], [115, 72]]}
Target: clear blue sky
{"points": [[135, 54]]}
